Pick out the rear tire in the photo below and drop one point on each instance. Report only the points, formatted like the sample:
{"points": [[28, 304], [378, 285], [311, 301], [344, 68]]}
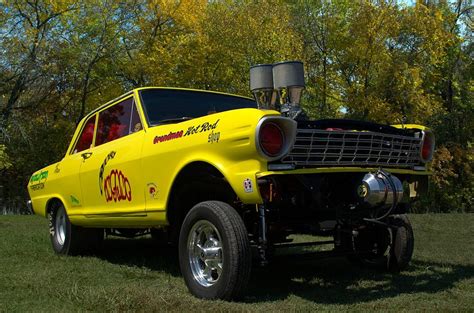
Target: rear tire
{"points": [[403, 243], [68, 239], [214, 251], [394, 257]]}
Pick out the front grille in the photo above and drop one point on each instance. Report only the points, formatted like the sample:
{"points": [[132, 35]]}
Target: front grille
{"points": [[315, 147]]}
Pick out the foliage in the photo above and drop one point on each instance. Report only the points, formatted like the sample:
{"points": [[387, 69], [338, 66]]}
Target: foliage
{"points": [[452, 185], [5, 162], [372, 60]]}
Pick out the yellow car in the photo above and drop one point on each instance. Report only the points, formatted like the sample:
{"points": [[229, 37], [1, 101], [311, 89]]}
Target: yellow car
{"points": [[228, 179]]}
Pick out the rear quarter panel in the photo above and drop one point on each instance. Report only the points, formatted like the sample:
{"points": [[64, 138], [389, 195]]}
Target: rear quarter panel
{"points": [[42, 187]]}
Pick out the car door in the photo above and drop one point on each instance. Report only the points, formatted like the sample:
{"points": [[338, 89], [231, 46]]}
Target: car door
{"points": [[69, 167], [110, 176]]}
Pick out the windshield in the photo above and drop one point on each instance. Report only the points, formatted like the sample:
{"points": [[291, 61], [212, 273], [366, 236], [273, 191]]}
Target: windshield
{"points": [[166, 105]]}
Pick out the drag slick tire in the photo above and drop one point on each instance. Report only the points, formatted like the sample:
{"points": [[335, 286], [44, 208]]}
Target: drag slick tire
{"points": [[385, 252], [214, 251], [68, 239], [403, 243]]}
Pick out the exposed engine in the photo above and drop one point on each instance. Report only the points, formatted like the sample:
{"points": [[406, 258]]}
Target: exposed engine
{"points": [[298, 201]]}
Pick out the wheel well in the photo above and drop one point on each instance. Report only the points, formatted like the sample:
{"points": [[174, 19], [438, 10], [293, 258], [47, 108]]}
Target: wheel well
{"points": [[196, 182], [52, 203]]}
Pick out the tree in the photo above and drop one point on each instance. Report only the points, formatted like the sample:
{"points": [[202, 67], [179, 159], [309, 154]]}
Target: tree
{"points": [[25, 35]]}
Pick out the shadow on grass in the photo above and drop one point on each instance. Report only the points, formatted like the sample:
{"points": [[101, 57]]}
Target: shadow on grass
{"points": [[336, 281], [326, 281], [140, 252]]}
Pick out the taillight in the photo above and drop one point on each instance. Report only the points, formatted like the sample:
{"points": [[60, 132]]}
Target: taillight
{"points": [[271, 139], [274, 137], [427, 146]]}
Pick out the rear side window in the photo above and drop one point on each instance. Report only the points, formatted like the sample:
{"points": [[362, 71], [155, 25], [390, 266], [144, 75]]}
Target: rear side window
{"points": [[87, 135], [117, 122]]}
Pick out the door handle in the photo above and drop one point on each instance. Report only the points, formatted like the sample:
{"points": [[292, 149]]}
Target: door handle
{"points": [[86, 155]]}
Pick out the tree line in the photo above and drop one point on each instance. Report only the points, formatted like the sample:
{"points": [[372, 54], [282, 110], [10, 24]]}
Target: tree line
{"points": [[386, 61]]}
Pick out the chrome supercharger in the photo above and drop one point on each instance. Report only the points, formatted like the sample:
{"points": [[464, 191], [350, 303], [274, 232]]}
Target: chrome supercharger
{"points": [[380, 189]]}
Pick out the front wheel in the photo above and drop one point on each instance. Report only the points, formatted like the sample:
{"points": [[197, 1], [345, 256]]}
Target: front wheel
{"points": [[214, 251]]}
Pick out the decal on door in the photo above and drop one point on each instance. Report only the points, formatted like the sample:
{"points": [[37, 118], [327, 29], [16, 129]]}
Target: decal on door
{"points": [[117, 187], [109, 157]]}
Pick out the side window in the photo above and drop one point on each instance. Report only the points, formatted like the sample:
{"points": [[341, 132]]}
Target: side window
{"points": [[87, 135], [116, 122], [136, 124]]}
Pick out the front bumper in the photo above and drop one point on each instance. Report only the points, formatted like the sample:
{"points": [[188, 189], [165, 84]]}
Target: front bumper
{"points": [[29, 205], [342, 170]]}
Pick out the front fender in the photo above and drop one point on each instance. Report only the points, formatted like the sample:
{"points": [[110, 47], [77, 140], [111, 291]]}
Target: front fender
{"points": [[229, 146]]}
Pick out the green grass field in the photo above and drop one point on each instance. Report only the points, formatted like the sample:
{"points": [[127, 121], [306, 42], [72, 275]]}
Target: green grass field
{"points": [[135, 275]]}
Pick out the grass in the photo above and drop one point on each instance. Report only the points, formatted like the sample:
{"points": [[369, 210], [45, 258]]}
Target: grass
{"points": [[134, 275]]}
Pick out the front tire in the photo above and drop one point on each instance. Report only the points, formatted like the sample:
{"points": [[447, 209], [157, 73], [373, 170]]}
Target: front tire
{"points": [[68, 239], [214, 251]]}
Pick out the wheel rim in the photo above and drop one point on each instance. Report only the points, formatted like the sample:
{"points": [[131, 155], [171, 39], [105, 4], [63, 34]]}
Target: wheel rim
{"points": [[60, 232], [205, 253]]}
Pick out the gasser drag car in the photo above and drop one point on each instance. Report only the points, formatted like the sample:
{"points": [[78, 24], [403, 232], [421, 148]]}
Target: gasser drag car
{"points": [[228, 179]]}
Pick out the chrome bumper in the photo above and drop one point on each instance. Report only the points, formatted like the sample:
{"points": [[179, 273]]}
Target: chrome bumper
{"points": [[29, 205]]}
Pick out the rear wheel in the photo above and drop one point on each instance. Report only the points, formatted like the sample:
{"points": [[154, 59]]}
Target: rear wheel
{"points": [[390, 248], [403, 243], [69, 239], [214, 251]]}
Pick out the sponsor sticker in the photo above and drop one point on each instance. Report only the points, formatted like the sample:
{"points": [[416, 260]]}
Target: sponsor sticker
{"points": [[38, 180], [214, 137], [200, 128], [75, 201], [152, 190], [248, 185]]}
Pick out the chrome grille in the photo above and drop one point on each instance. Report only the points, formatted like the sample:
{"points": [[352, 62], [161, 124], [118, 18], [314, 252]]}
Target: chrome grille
{"points": [[315, 147]]}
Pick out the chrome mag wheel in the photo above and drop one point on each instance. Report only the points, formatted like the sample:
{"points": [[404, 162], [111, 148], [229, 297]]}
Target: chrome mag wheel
{"points": [[214, 251], [205, 253], [60, 226]]}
